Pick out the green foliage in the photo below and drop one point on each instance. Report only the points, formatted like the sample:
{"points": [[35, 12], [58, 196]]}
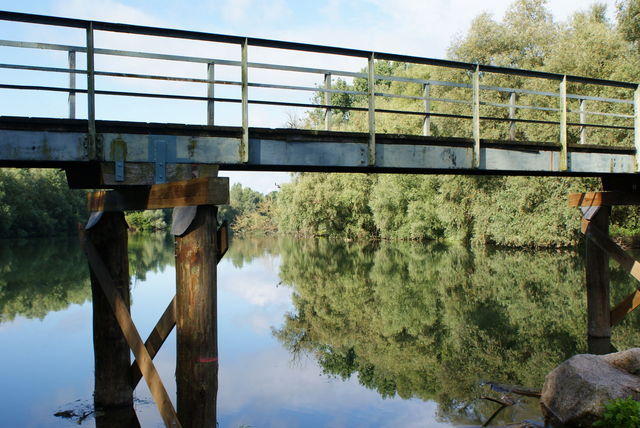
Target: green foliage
{"points": [[620, 413], [147, 221], [258, 220], [629, 19], [326, 204], [37, 202], [507, 211], [242, 200]]}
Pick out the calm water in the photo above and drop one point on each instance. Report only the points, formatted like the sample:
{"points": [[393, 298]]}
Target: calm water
{"points": [[311, 332]]}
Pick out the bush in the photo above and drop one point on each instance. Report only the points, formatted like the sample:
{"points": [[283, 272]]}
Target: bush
{"points": [[620, 413], [38, 202], [151, 220]]}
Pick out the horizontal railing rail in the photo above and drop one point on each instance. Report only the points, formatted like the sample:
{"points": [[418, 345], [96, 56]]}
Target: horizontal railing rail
{"points": [[267, 43], [471, 96]]}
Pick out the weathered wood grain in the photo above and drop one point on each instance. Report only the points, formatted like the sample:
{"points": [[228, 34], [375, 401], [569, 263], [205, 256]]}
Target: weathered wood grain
{"points": [[111, 352], [199, 191], [130, 332], [597, 280], [196, 320], [590, 199]]}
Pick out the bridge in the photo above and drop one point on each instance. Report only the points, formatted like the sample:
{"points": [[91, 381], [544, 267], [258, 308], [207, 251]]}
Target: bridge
{"points": [[470, 122], [593, 123]]}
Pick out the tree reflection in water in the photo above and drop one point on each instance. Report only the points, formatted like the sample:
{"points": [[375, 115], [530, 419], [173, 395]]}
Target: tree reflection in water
{"points": [[432, 322], [38, 276]]}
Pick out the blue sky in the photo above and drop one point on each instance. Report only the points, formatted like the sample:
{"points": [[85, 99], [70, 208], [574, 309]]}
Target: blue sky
{"points": [[417, 27]]}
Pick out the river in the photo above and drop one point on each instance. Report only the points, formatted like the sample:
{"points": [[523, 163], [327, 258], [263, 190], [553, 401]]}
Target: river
{"points": [[312, 332]]}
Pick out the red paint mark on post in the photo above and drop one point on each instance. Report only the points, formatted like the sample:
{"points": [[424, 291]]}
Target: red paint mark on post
{"points": [[207, 359]]}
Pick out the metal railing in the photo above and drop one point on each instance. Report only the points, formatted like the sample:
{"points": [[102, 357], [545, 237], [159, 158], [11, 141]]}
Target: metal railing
{"points": [[369, 75]]}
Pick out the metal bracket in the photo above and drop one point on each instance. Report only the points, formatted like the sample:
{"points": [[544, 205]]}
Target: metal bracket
{"points": [[94, 218], [88, 146], [223, 239], [119, 153], [160, 157], [589, 212], [181, 219]]}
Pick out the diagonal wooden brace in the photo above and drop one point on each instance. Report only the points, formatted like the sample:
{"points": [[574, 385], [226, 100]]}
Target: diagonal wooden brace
{"points": [[130, 332], [156, 339], [628, 263], [167, 321]]}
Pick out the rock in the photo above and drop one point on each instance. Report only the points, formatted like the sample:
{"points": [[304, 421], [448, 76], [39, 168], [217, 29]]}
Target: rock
{"points": [[628, 360], [575, 392]]}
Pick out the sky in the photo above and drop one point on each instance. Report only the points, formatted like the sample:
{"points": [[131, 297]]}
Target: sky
{"points": [[415, 27]]}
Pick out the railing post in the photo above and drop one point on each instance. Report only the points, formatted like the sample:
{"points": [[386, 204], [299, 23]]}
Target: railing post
{"points": [[244, 146], [372, 111], [636, 125], [476, 116], [72, 85], [327, 101], [91, 94], [426, 123], [512, 115], [210, 93], [583, 120], [563, 164]]}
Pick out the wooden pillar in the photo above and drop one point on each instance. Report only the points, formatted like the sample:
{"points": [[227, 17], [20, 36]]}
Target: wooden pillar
{"points": [[124, 417], [597, 276], [111, 352], [196, 320]]}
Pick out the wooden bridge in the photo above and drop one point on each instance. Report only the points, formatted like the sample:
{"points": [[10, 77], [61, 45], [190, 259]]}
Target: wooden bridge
{"points": [[589, 116], [594, 124]]}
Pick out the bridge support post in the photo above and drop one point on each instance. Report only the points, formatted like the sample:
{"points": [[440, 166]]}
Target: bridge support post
{"points": [[199, 247], [113, 389], [598, 288], [196, 320]]}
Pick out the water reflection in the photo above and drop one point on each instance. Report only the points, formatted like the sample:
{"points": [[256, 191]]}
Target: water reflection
{"points": [[430, 322], [418, 325], [41, 276], [149, 252]]}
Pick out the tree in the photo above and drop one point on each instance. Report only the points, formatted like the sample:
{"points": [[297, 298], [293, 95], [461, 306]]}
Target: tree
{"points": [[508, 211], [38, 202], [629, 19], [241, 200]]}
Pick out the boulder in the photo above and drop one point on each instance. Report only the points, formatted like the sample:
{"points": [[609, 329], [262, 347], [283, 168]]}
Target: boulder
{"points": [[575, 392]]}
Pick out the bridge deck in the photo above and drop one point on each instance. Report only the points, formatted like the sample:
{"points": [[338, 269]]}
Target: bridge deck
{"points": [[63, 143]]}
